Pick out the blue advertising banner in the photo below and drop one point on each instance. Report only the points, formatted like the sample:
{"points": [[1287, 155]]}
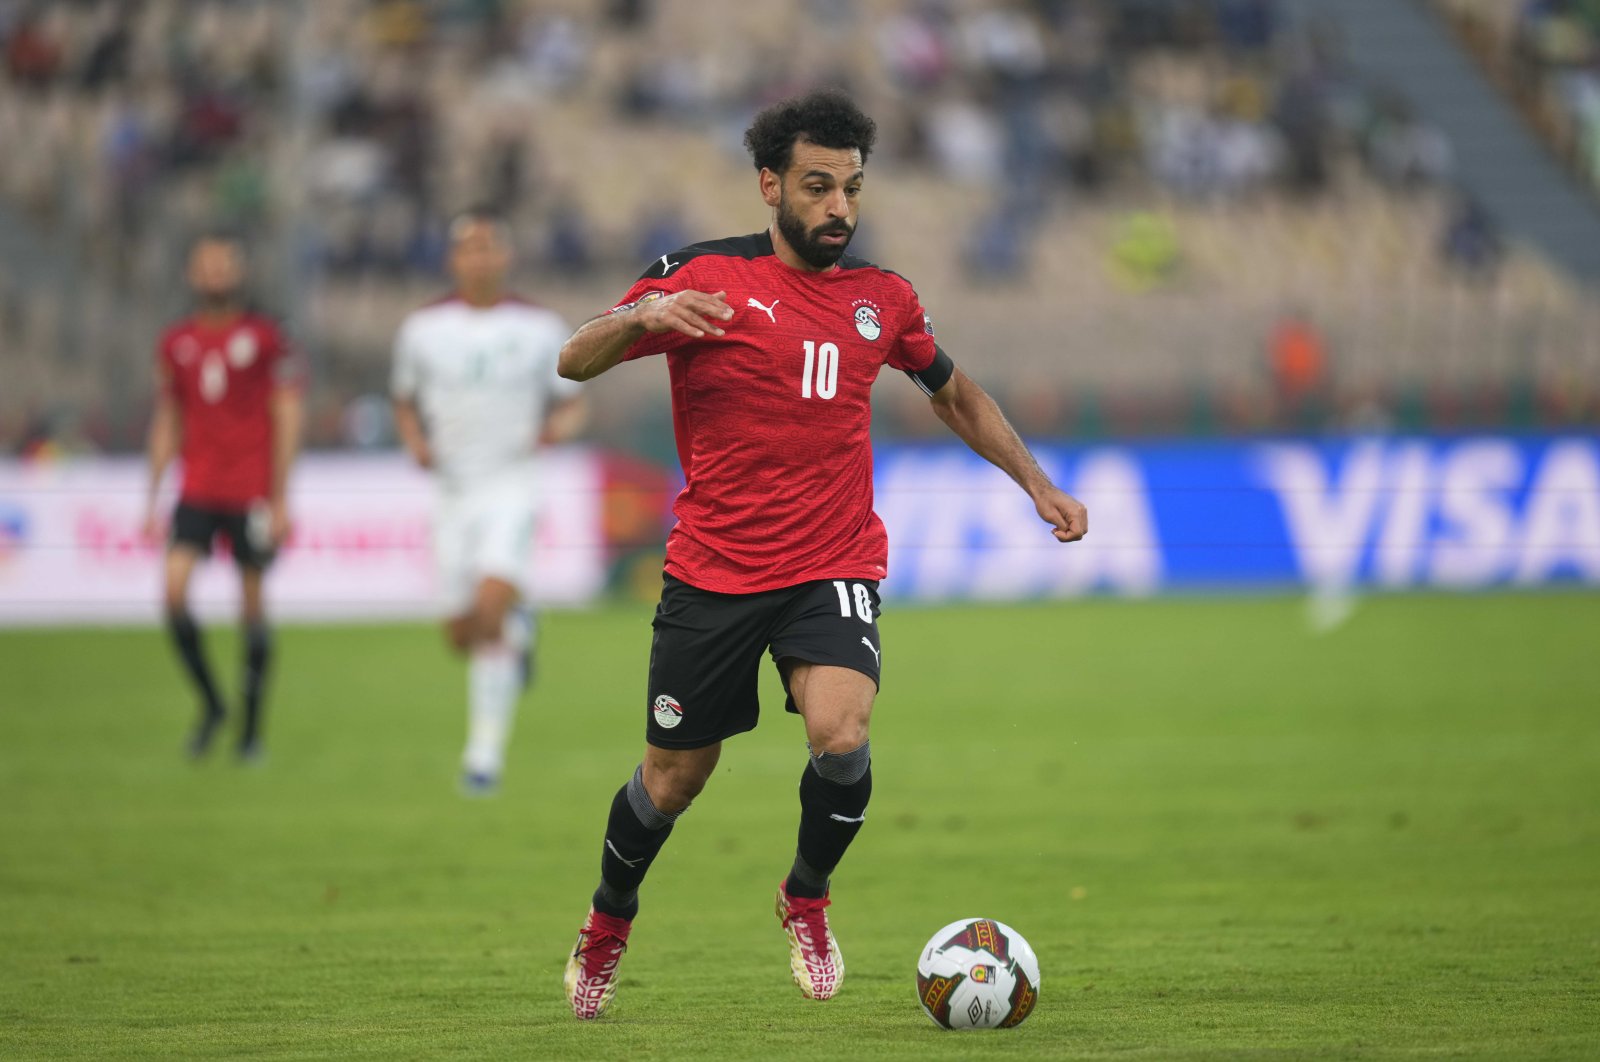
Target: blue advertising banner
{"points": [[1464, 512]]}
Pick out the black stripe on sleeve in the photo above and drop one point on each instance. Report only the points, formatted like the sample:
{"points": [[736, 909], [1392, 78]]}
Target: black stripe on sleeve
{"points": [[936, 375]]}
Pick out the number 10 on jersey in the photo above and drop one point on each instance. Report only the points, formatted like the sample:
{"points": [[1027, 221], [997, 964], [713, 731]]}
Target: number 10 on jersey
{"points": [[822, 363]]}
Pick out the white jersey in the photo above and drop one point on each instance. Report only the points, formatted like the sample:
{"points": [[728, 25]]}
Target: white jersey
{"points": [[482, 378]]}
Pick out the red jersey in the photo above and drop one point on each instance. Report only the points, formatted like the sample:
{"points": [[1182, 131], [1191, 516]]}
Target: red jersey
{"points": [[222, 379], [772, 420]]}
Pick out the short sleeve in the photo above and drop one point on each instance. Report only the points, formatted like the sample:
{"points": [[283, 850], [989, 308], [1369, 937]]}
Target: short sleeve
{"points": [[914, 348], [646, 289], [405, 376]]}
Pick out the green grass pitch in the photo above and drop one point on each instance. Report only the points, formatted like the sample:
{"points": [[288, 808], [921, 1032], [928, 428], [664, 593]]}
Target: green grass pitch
{"points": [[1225, 837]]}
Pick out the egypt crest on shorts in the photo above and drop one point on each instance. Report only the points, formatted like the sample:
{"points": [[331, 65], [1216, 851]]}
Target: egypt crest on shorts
{"points": [[669, 713]]}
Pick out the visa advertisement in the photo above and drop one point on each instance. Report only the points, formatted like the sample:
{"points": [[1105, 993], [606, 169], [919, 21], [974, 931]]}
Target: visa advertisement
{"points": [[1463, 513], [1478, 512]]}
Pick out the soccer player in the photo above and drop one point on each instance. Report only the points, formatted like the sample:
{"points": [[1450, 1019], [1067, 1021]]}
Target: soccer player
{"points": [[475, 389], [228, 399], [772, 344]]}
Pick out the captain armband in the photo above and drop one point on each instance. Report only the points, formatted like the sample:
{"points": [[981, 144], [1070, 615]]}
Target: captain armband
{"points": [[936, 375]]}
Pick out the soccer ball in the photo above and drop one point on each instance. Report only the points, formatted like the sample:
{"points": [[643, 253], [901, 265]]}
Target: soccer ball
{"points": [[977, 974]]}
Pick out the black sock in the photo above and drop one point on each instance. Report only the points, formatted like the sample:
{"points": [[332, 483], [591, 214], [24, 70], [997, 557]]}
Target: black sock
{"points": [[257, 655], [831, 814], [186, 636], [635, 832]]}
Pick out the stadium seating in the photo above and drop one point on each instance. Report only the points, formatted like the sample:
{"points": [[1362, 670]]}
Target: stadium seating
{"points": [[1123, 270]]}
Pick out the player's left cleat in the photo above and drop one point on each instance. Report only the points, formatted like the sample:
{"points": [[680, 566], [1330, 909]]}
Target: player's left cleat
{"points": [[591, 978], [814, 957], [252, 753], [205, 732]]}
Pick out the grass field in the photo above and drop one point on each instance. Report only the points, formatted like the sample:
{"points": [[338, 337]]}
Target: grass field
{"points": [[1225, 838]]}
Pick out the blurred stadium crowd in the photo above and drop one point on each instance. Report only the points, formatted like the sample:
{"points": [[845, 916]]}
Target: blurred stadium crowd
{"points": [[1546, 55], [1134, 217]]}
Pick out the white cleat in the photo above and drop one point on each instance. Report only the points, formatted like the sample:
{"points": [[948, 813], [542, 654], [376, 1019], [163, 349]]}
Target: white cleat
{"points": [[814, 957]]}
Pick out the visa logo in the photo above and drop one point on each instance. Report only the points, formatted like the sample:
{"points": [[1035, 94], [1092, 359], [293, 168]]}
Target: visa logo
{"points": [[1461, 513]]}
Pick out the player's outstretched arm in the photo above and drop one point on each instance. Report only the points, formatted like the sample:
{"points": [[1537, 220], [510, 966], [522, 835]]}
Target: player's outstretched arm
{"points": [[968, 411], [161, 446], [600, 344]]}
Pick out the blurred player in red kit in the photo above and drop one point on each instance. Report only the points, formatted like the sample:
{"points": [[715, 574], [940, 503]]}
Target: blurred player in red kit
{"points": [[228, 403]]}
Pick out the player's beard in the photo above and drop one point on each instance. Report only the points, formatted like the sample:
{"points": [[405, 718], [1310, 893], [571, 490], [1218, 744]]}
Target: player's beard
{"points": [[807, 243]]}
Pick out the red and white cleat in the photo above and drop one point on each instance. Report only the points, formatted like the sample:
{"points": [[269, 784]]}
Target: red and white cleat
{"points": [[814, 957], [591, 978]]}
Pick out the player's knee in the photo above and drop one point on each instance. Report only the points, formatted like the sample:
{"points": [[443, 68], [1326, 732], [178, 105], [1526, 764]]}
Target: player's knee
{"points": [[838, 737], [673, 788], [488, 625], [175, 594]]}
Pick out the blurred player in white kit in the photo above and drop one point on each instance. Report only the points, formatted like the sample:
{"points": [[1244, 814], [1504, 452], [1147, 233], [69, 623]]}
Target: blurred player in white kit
{"points": [[475, 393]]}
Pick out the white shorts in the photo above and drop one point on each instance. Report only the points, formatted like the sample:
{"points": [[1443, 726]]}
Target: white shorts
{"points": [[483, 532]]}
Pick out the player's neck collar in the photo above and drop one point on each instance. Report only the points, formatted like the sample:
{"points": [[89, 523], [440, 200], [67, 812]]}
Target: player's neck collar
{"points": [[500, 299], [216, 319]]}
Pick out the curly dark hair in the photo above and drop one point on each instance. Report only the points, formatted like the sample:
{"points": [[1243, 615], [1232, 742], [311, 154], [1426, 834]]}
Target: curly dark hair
{"points": [[826, 117]]}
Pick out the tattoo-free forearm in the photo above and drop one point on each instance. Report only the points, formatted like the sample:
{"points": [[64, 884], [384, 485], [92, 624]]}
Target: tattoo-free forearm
{"points": [[288, 416], [161, 445], [977, 421]]}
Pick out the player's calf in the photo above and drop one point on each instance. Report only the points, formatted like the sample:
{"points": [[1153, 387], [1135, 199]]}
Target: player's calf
{"points": [[185, 634], [834, 790]]}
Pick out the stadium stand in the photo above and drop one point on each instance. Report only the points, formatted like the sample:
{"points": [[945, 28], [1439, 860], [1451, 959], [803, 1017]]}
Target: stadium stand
{"points": [[1117, 211]]}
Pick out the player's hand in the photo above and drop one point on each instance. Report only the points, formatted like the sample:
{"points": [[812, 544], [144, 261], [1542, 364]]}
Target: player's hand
{"points": [[423, 457], [278, 523], [150, 529], [694, 313], [1066, 514]]}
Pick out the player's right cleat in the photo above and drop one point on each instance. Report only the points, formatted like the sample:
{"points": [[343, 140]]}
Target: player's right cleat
{"points": [[479, 784], [814, 957], [591, 978]]}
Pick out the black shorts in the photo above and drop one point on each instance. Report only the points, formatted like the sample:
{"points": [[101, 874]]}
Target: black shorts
{"points": [[705, 655], [247, 532]]}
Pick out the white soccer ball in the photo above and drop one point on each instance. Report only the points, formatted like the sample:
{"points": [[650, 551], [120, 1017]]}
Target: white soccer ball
{"points": [[977, 974]]}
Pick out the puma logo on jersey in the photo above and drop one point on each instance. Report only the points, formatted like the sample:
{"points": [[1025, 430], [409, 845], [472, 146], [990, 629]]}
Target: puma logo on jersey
{"points": [[875, 654], [764, 309], [666, 266]]}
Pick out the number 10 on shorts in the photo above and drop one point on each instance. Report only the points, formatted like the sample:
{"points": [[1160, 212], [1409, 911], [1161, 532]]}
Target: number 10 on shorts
{"points": [[863, 602]]}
